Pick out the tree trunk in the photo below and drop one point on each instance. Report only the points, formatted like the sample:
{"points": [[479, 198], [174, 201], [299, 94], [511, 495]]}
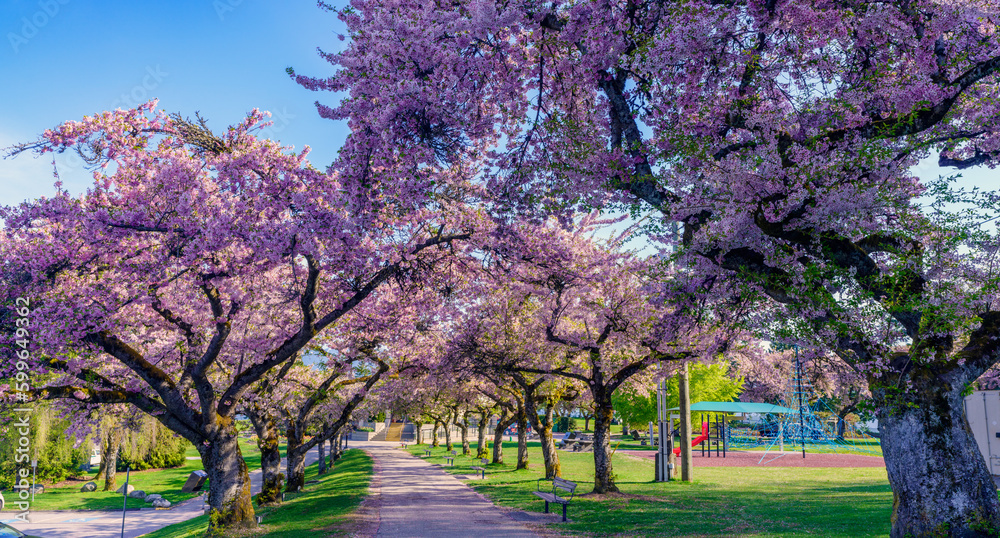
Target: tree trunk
{"points": [[296, 460], [549, 454], [940, 482], [684, 402], [110, 457], [270, 459], [586, 422], [420, 434], [331, 453], [842, 421], [463, 428], [228, 482], [502, 425], [338, 446], [522, 439], [447, 438], [434, 442], [321, 447], [604, 481], [544, 431], [481, 434]]}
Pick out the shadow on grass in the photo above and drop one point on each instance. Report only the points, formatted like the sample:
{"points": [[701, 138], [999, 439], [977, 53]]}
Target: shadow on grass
{"points": [[787, 502], [319, 510], [166, 482]]}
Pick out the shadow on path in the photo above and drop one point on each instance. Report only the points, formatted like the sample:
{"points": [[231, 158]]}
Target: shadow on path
{"points": [[418, 499]]}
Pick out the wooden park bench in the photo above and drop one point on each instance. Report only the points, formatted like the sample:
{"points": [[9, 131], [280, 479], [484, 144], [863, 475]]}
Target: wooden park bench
{"points": [[403, 445], [558, 485], [481, 468], [427, 452], [451, 459]]}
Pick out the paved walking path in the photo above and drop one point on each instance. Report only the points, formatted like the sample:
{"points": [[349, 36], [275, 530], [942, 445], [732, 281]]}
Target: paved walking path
{"points": [[101, 524], [418, 499]]}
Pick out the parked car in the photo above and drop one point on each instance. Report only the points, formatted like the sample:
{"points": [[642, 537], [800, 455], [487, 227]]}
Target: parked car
{"points": [[6, 531]]}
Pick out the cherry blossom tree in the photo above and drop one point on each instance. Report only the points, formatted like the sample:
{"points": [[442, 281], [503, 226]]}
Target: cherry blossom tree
{"points": [[196, 264], [590, 314], [310, 389], [261, 408], [497, 357], [778, 135]]}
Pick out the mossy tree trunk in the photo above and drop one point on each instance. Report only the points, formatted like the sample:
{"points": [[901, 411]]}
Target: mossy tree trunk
{"points": [[109, 458], [228, 480], [940, 482], [522, 437], [321, 448], [505, 421], [484, 418], [463, 428], [266, 427]]}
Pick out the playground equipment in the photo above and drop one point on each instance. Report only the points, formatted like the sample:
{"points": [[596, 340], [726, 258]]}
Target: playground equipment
{"points": [[697, 440], [804, 421]]}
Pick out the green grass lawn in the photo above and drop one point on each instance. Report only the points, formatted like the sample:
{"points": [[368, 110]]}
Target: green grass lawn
{"points": [[786, 502], [318, 510], [166, 482]]}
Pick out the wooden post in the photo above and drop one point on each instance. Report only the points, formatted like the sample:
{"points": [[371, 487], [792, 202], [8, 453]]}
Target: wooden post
{"points": [[685, 405]]}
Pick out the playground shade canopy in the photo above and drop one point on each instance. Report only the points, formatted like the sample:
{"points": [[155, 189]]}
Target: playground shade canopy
{"points": [[737, 407]]}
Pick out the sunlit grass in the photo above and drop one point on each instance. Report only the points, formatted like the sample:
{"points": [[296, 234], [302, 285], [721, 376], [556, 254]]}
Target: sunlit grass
{"points": [[166, 482], [319, 510], [723, 501]]}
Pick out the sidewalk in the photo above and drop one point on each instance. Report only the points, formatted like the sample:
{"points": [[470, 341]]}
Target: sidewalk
{"points": [[418, 499]]}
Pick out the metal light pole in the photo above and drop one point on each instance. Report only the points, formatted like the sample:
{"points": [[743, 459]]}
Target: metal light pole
{"points": [[125, 498], [802, 420], [684, 396], [34, 473]]}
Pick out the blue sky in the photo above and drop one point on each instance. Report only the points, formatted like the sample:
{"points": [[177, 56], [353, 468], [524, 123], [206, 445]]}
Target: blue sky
{"points": [[63, 59]]}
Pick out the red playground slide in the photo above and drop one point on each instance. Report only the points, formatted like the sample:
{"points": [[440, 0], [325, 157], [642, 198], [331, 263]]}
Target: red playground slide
{"points": [[696, 440]]}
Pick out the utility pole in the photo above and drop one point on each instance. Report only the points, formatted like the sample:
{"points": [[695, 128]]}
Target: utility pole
{"points": [[684, 395], [802, 420]]}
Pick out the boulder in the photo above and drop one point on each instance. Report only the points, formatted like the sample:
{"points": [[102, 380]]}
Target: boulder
{"points": [[161, 503], [137, 494], [195, 481], [122, 491], [152, 497], [89, 486]]}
